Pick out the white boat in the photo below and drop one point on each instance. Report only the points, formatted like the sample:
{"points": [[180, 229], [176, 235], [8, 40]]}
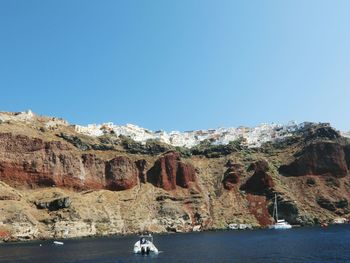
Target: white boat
{"points": [[280, 223], [59, 243], [233, 226], [339, 220], [145, 245], [244, 226]]}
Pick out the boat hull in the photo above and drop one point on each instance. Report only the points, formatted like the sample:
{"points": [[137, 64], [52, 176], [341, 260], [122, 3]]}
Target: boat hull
{"points": [[145, 249], [280, 226]]}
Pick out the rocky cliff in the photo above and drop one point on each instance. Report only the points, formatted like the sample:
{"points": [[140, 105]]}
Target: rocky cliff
{"points": [[57, 182]]}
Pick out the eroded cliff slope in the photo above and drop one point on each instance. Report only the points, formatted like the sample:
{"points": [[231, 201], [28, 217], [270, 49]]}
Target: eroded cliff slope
{"points": [[57, 182]]}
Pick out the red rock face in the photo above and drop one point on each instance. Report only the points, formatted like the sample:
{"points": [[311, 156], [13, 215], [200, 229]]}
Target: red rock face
{"points": [[260, 182], [33, 162], [94, 171], [163, 173], [142, 167], [169, 171], [258, 207], [232, 175], [121, 174], [324, 159], [185, 174]]}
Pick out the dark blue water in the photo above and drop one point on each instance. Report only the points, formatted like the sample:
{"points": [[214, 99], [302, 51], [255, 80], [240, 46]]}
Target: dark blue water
{"points": [[296, 245]]}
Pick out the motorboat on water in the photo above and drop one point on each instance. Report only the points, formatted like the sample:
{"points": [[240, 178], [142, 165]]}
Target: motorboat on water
{"points": [[145, 245], [280, 223]]}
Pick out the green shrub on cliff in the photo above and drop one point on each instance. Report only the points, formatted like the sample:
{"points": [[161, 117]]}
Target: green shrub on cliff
{"points": [[151, 146], [209, 150]]}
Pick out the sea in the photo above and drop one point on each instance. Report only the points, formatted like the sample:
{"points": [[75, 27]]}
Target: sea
{"points": [[304, 244]]}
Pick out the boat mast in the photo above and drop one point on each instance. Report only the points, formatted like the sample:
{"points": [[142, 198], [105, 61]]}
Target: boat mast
{"points": [[273, 211], [276, 207]]}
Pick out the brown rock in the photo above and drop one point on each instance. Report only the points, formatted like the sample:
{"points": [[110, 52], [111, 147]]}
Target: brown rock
{"points": [[26, 161], [94, 171], [260, 182], [169, 171], [163, 173], [5, 235], [232, 175], [20, 143], [324, 159], [258, 207], [142, 167], [259, 166], [185, 174], [121, 174]]}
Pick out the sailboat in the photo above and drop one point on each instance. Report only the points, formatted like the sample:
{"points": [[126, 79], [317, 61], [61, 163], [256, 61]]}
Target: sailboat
{"points": [[280, 223]]}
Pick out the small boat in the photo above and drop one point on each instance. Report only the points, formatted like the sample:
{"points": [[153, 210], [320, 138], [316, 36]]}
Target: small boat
{"points": [[145, 245], [233, 226], [339, 220], [59, 243], [280, 223], [244, 226]]}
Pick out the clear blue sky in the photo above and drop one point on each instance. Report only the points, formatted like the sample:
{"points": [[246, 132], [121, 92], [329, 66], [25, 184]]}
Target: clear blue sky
{"points": [[184, 64]]}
